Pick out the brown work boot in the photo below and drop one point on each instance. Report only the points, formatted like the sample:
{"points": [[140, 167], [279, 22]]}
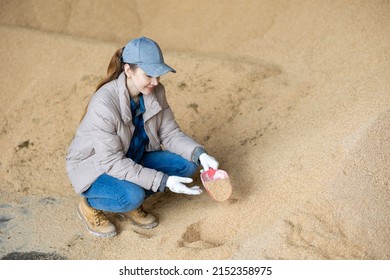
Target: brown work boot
{"points": [[95, 220], [142, 219]]}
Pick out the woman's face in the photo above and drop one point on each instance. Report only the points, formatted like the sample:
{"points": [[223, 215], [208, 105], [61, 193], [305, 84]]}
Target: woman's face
{"points": [[138, 81]]}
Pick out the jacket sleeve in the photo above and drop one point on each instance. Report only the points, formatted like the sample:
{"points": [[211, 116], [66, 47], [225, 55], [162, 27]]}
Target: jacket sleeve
{"points": [[109, 152], [174, 139]]}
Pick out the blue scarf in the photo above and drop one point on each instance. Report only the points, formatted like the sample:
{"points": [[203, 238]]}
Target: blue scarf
{"points": [[140, 139]]}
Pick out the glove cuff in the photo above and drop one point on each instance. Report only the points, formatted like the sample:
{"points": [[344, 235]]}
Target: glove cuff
{"points": [[196, 153], [163, 183]]}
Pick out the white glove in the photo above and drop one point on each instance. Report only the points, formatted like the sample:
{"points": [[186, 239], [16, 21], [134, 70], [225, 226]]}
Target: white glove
{"points": [[207, 161], [175, 184]]}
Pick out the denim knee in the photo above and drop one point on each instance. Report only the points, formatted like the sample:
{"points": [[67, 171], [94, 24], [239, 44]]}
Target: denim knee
{"points": [[188, 170], [131, 200]]}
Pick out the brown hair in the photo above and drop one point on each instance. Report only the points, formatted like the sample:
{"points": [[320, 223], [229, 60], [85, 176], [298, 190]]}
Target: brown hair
{"points": [[115, 67]]}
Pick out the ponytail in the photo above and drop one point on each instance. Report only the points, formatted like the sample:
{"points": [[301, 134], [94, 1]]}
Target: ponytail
{"points": [[115, 67]]}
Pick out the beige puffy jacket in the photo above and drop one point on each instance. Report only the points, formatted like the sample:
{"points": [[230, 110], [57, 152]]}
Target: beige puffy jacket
{"points": [[104, 136]]}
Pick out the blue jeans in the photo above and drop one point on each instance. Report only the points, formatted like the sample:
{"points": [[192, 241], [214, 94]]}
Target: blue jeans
{"points": [[113, 195]]}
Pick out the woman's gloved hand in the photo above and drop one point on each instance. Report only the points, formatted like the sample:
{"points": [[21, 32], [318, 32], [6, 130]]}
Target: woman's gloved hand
{"points": [[175, 184], [208, 161]]}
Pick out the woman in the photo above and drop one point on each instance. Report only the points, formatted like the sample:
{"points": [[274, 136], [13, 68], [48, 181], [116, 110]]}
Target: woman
{"points": [[128, 145]]}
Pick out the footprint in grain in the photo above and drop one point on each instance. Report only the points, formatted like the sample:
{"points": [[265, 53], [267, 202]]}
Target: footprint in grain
{"points": [[192, 238]]}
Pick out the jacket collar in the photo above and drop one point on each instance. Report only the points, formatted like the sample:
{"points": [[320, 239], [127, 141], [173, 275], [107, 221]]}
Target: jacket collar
{"points": [[152, 105]]}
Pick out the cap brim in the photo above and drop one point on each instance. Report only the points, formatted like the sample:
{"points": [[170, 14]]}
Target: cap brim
{"points": [[156, 70]]}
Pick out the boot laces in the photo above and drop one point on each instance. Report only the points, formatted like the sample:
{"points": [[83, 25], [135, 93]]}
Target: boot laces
{"points": [[99, 217], [141, 213]]}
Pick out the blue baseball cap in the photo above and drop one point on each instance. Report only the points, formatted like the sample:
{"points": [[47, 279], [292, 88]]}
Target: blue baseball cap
{"points": [[147, 55]]}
